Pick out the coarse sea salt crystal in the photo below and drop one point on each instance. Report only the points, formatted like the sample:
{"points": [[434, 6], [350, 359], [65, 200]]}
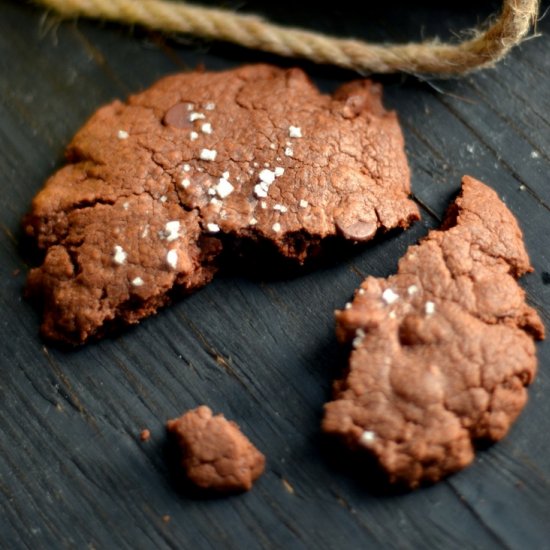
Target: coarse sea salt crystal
{"points": [[413, 289], [389, 296], [367, 438], [123, 134], [120, 255], [359, 335], [267, 176], [294, 132], [260, 190], [172, 229], [224, 188], [138, 281], [172, 258], [208, 154], [196, 116], [213, 227]]}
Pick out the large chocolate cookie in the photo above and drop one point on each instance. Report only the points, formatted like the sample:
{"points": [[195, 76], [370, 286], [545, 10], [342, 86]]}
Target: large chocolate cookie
{"points": [[255, 153], [443, 350]]}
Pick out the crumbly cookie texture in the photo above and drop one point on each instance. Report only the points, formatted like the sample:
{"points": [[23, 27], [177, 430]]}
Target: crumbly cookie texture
{"points": [[151, 186], [443, 350], [215, 454]]}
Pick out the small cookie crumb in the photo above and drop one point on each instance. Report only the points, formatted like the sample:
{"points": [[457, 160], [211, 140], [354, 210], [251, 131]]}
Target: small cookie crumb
{"points": [[216, 455], [145, 435]]}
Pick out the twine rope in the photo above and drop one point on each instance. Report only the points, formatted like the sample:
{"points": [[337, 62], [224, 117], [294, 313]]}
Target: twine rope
{"points": [[483, 49]]}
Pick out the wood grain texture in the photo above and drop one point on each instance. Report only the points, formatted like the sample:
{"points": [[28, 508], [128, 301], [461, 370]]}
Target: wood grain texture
{"points": [[73, 472]]}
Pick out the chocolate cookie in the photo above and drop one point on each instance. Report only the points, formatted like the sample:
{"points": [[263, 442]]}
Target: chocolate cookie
{"points": [[215, 454], [255, 154], [443, 350]]}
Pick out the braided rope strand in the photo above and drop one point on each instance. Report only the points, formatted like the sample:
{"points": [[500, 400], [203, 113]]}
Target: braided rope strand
{"points": [[431, 57]]}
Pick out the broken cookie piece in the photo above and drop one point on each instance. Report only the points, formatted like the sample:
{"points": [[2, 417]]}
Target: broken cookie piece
{"points": [[154, 185], [215, 454], [443, 350]]}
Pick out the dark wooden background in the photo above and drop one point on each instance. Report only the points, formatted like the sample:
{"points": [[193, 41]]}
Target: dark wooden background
{"points": [[73, 473]]}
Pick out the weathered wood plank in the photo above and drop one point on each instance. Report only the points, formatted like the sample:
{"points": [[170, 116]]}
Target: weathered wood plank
{"points": [[73, 472]]}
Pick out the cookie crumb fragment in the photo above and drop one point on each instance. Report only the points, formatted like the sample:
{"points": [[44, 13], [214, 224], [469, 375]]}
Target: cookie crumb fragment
{"points": [[216, 455], [145, 435]]}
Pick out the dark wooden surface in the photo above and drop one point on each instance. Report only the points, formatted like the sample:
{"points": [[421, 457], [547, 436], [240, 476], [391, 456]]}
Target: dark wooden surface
{"points": [[73, 473]]}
